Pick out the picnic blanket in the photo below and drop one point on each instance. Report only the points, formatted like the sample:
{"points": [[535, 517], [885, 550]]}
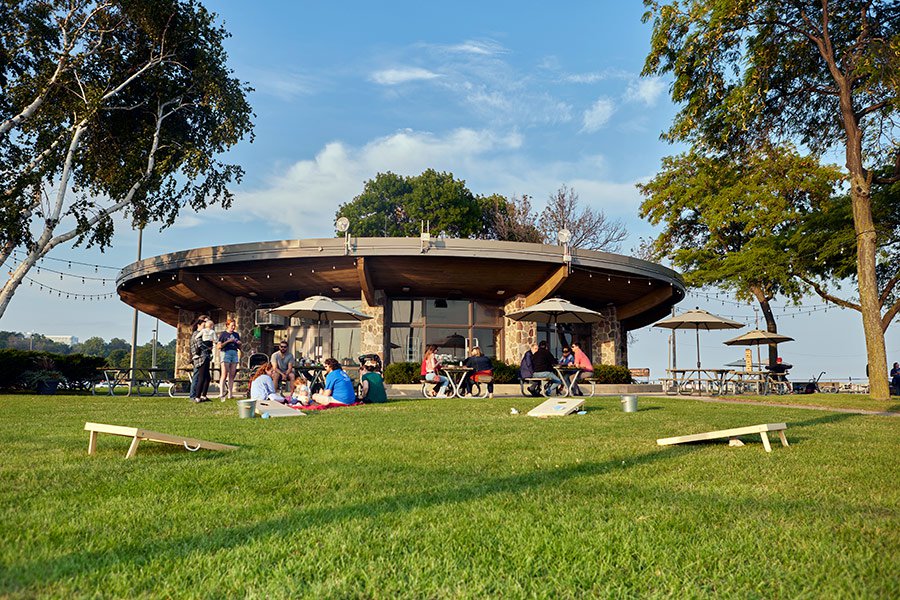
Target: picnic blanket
{"points": [[325, 406]]}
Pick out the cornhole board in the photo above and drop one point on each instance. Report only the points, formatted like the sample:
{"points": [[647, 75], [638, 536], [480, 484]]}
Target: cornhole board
{"points": [[276, 409], [732, 435], [556, 407], [137, 434]]}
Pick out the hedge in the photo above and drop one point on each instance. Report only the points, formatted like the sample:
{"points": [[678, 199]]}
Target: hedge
{"points": [[410, 372], [75, 368], [612, 374]]}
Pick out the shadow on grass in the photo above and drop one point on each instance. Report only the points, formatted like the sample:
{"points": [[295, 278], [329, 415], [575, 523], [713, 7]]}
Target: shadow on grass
{"points": [[136, 553]]}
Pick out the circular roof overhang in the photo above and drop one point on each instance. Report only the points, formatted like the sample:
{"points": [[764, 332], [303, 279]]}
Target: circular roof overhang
{"points": [[485, 270]]}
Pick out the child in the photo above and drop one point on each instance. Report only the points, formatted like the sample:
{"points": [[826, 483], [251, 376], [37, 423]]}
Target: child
{"points": [[301, 391]]}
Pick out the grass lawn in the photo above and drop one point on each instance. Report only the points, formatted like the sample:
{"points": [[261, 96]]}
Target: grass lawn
{"points": [[447, 498], [855, 401]]}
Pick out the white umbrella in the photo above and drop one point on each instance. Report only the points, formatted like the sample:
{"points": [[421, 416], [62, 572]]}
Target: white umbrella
{"points": [[698, 319], [319, 308], [556, 310], [757, 338]]}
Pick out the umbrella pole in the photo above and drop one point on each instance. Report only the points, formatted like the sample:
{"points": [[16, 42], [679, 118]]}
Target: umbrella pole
{"points": [[697, 329]]}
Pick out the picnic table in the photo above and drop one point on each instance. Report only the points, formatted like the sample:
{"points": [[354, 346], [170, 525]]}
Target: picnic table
{"points": [[456, 375], [115, 377], [691, 381]]}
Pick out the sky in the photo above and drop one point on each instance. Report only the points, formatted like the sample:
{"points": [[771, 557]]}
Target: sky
{"points": [[512, 97]]}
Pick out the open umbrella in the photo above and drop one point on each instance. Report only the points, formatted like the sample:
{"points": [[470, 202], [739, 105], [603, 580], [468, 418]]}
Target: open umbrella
{"points": [[319, 308], [556, 310], [452, 341], [757, 338], [698, 319]]}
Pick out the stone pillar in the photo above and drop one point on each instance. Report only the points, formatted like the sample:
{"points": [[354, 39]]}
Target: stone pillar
{"points": [[517, 335], [183, 332], [608, 341], [245, 321], [371, 332]]}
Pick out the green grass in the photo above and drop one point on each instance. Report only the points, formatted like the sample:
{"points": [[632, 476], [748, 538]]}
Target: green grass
{"points": [[446, 498], [852, 401]]}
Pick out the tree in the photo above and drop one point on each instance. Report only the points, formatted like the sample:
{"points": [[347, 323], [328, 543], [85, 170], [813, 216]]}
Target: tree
{"points": [[727, 220], [110, 106], [391, 205], [93, 346], [590, 230], [823, 74], [512, 220]]}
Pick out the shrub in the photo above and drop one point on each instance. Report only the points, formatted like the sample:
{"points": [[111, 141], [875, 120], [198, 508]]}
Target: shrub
{"points": [[78, 369], [12, 364], [505, 373], [403, 372], [612, 374]]}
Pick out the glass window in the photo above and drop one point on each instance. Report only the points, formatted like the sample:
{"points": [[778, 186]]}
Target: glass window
{"points": [[406, 344], [442, 312], [345, 344], [487, 340], [406, 311], [488, 315], [451, 343]]}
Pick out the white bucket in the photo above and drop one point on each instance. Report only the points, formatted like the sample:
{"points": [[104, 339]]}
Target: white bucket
{"points": [[629, 403]]}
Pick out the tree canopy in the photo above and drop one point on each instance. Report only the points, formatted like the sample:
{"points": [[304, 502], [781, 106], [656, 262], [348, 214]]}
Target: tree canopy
{"points": [[824, 75], [107, 107]]}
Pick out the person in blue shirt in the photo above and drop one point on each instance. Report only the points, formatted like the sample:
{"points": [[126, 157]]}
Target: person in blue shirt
{"points": [[338, 385], [567, 358]]}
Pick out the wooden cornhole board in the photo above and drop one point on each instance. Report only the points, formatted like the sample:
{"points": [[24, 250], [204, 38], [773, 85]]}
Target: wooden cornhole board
{"points": [[276, 409], [556, 407], [732, 435], [137, 434]]}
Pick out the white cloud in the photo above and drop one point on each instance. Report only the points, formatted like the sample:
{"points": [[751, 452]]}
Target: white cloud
{"points": [[284, 85], [598, 115], [479, 47], [595, 76], [646, 90], [402, 75]]}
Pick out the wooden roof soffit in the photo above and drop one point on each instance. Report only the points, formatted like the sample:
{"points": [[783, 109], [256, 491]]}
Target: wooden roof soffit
{"points": [[213, 294], [644, 303], [365, 280], [547, 289]]}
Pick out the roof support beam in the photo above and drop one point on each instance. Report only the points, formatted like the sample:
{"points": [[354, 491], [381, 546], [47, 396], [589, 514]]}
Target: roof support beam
{"points": [[546, 289], [646, 302], [365, 280], [215, 295]]}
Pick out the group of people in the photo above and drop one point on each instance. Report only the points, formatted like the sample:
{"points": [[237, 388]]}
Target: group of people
{"points": [[895, 378], [480, 368], [202, 341], [539, 363], [338, 388]]}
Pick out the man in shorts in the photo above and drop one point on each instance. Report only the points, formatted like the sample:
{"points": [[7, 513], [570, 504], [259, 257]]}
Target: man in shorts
{"points": [[283, 366]]}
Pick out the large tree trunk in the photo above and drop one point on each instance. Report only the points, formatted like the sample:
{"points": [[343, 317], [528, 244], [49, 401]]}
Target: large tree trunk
{"points": [[769, 316]]}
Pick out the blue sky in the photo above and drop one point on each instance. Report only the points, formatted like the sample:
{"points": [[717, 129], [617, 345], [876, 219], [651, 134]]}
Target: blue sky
{"points": [[512, 97]]}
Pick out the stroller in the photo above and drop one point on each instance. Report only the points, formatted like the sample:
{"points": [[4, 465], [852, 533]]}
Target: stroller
{"points": [[374, 362], [813, 386]]}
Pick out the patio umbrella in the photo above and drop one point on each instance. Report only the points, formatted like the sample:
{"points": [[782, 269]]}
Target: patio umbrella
{"points": [[698, 319], [757, 338], [319, 308], [556, 311], [452, 341]]}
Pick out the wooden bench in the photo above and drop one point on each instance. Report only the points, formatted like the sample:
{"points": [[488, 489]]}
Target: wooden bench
{"points": [[192, 444], [732, 435]]}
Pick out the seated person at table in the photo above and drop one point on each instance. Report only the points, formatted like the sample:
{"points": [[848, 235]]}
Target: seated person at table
{"points": [[283, 366], [481, 366], [371, 384], [430, 366], [543, 363], [301, 391], [261, 385], [567, 359], [779, 369], [582, 362], [526, 370], [338, 385]]}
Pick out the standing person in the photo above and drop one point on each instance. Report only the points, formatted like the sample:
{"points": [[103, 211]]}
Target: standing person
{"points": [[207, 338], [582, 362], [895, 378], [371, 384], [196, 360], [338, 385], [229, 344], [283, 365], [543, 363], [430, 366], [481, 366]]}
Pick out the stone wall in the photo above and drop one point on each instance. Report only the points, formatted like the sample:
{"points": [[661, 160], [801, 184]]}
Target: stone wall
{"points": [[517, 335], [371, 332], [608, 341], [244, 316], [183, 332]]}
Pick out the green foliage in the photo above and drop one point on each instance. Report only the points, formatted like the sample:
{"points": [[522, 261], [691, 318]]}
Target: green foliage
{"points": [[12, 364], [78, 369], [612, 374], [402, 372], [23, 367], [505, 372]]}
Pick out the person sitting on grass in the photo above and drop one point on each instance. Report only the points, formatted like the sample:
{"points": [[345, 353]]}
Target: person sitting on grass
{"points": [[301, 391], [338, 386], [261, 385], [371, 384]]}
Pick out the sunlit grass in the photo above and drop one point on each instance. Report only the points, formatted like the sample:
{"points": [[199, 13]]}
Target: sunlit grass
{"points": [[444, 497], [853, 401]]}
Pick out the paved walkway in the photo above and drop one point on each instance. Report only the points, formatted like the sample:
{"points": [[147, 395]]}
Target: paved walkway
{"points": [[854, 411]]}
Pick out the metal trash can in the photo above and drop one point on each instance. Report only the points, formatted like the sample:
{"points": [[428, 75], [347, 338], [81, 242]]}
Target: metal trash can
{"points": [[246, 408], [629, 403]]}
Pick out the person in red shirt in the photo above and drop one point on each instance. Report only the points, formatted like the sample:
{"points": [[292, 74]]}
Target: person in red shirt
{"points": [[583, 363]]}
